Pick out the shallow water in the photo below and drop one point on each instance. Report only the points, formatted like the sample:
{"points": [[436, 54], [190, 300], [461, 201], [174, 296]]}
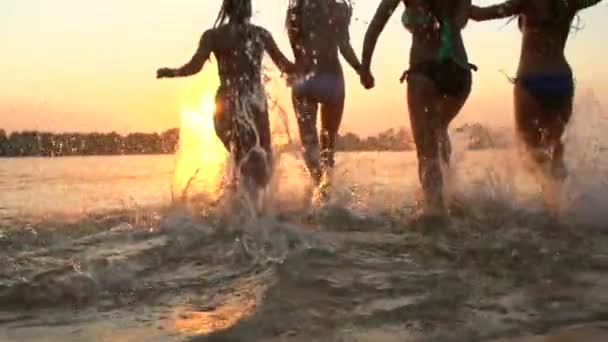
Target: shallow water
{"points": [[91, 249], [73, 185]]}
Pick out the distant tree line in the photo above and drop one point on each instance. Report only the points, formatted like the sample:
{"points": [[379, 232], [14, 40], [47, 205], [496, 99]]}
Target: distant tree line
{"points": [[44, 144], [389, 140], [476, 137], [33, 143], [480, 137]]}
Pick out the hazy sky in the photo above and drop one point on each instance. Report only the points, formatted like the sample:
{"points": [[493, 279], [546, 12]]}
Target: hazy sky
{"points": [[90, 65]]}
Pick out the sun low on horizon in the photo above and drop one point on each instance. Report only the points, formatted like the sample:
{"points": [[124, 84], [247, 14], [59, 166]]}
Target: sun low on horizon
{"points": [[201, 157], [86, 67]]}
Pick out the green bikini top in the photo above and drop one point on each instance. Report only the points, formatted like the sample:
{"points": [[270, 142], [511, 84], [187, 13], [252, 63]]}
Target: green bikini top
{"points": [[446, 33], [409, 20]]}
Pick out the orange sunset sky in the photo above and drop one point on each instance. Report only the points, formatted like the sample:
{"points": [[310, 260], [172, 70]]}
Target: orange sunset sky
{"points": [[73, 65]]}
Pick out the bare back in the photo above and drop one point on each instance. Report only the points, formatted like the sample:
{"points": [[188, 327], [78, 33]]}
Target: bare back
{"points": [[424, 15], [545, 28], [313, 27], [545, 25], [239, 50]]}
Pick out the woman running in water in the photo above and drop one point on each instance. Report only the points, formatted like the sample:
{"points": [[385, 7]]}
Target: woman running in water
{"points": [[241, 116], [544, 86], [317, 30], [439, 79]]}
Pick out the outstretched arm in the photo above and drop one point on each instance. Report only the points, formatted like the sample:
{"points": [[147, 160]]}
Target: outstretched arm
{"points": [[197, 61], [504, 10], [582, 4], [275, 53], [383, 14], [341, 20]]}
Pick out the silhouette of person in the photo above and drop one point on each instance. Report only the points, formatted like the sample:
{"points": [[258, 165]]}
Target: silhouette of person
{"points": [[544, 85], [318, 31], [439, 80], [241, 117]]}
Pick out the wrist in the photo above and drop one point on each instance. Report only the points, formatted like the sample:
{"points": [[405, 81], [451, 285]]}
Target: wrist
{"points": [[362, 70]]}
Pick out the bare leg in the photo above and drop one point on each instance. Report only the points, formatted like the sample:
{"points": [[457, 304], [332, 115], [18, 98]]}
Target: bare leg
{"points": [[556, 131], [222, 120], [306, 114], [264, 167], [250, 141], [540, 131], [449, 109], [425, 122], [331, 117]]}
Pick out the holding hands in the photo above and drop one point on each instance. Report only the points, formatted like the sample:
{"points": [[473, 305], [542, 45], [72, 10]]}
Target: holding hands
{"points": [[366, 78]]}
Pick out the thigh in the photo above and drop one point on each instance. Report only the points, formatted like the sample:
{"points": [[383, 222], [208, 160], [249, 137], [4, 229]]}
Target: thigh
{"points": [[222, 120], [306, 115], [331, 115], [450, 106], [423, 104], [262, 124], [530, 117]]}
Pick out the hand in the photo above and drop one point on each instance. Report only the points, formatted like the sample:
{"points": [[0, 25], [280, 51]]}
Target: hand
{"points": [[164, 73], [367, 79], [293, 78]]}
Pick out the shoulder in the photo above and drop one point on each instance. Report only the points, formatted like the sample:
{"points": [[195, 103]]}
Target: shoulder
{"points": [[342, 12], [343, 7], [262, 32], [210, 34]]}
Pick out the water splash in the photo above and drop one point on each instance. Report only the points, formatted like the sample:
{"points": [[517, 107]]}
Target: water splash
{"points": [[201, 159], [585, 192]]}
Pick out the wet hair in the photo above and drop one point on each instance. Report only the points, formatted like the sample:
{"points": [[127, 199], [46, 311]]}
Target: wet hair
{"points": [[238, 10], [295, 13]]}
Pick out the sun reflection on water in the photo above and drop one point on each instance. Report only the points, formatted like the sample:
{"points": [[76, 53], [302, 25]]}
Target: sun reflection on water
{"points": [[220, 318], [201, 158]]}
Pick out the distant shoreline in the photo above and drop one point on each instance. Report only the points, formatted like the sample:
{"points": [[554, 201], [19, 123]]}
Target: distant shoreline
{"points": [[84, 155], [174, 153], [54, 145]]}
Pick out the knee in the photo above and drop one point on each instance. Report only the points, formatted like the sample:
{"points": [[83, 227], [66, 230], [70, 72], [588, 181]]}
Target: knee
{"points": [[309, 140], [427, 144], [327, 157], [529, 132], [328, 136], [538, 154]]}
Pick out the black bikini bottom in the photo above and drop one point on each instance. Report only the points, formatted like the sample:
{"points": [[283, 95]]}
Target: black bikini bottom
{"points": [[451, 78]]}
